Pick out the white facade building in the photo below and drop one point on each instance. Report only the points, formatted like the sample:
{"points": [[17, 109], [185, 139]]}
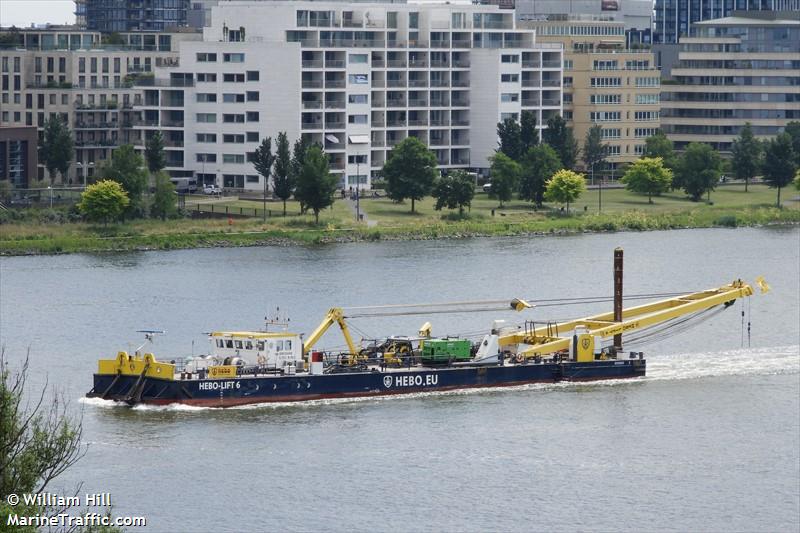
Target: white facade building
{"points": [[355, 78]]}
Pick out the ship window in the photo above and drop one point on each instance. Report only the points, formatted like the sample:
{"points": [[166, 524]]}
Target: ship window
{"points": [[260, 345], [220, 344], [288, 345], [248, 345], [238, 345], [279, 346], [229, 344]]}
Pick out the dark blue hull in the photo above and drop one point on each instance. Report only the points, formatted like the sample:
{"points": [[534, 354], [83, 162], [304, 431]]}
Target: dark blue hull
{"points": [[288, 388]]}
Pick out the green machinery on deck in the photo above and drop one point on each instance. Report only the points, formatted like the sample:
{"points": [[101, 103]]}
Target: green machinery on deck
{"points": [[445, 350]]}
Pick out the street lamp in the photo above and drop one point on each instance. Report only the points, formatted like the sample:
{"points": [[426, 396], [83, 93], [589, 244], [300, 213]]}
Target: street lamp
{"points": [[358, 187]]}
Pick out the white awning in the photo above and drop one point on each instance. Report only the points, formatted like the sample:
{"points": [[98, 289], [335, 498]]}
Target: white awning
{"points": [[359, 139], [332, 138]]}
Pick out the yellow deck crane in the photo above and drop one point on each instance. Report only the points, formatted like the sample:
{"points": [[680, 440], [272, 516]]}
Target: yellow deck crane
{"points": [[335, 315], [581, 333]]}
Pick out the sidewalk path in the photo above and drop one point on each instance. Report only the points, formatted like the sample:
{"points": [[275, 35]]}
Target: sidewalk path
{"points": [[352, 205]]}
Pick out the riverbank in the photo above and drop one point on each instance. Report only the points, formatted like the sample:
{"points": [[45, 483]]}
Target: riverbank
{"points": [[19, 239]]}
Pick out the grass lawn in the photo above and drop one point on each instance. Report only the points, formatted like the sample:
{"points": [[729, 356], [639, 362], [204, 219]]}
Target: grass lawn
{"points": [[621, 210]]}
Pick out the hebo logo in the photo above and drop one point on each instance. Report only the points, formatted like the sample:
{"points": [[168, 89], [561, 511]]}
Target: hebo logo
{"points": [[387, 381]]}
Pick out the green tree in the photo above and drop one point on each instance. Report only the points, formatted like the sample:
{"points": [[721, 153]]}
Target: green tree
{"points": [[38, 442], [154, 153], [505, 174], [594, 151], [103, 201], [560, 137], [797, 180], [746, 155], [779, 163], [299, 149], [698, 170], [455, 190], [262, 161], [509, 137], [316, 185], [538, 165], [529, 135], [659, 145], [648, 176], [127, 169], [282, 172], [57, 148], [565, 187], [409, 171], [793, 129], [164, 198]]}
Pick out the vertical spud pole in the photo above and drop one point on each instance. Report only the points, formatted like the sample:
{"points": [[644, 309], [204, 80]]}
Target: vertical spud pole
{"points": [[618, 295]]}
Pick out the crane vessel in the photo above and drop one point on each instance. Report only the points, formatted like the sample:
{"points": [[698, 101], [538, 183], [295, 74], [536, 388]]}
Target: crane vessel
{"points": [[245, 367]]}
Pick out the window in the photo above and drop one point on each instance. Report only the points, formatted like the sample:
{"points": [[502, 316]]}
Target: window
{"points": [[643, 116], [508, 116], [604, 64], [253, 178], [358, 58], [641, 133], [232, 98], [358, 79], [606, 82], [509, 97], [206, 137], [230, 77], [605, 116], [509, 58], [648, 98], [639, 149], [206, 158], [357, 99], [653, 81], [605, 99], [233, 58], [206, 117], [612, 150], [611, 133], [206, 97], [233, 138], [357, 119], [232, 118], [252, 136], [637, 64], [568, 64], [233, 158], [252, 116], [509, 78], [567, 81], [357, 159], [252, 75], [206, 57], [252, 96], [250, 157], [206, 77]]}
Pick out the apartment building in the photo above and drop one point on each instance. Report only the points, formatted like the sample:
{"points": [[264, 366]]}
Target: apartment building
{"points": [[675, 18], [356, 78], [75, 74], [109, 16], [732, 71], [605, 83], [18, 158]]}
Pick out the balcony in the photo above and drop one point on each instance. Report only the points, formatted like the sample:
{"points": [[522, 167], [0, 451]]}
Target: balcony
{"points": [[331, 125], [530, 102], [378, 122], [334, 84], [551, 64], [172, 123], [439, 142], [397, 123], [418, 122], [460, 122], [462, 43], [335, 104], [396, 103], [461, 64], [418, 102], [551, 102], [378, 84], [311, 125], [378, 63], [312, 63], [439, 63], [377, 143], [334, 63], [460, 102], [460, 83], [530, 64], [396, 83], [551, 83], [417, 63], [312, 104], [96, 125], [417, 83], [312, 84], [440, 44], [440, 122], [440, 83], [394, 63]]}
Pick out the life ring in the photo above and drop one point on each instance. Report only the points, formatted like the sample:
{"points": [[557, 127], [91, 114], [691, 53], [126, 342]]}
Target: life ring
{"points": [[520, 358]]}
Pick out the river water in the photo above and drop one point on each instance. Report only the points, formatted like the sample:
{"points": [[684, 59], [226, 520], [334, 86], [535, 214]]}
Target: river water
{"points": [[710, 440]]}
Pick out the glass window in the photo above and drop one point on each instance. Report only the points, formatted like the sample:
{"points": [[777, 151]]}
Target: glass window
{"points": [[358, 58]]}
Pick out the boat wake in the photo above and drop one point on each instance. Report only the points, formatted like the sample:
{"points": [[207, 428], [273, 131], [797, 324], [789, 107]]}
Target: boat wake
{"points": [[777, 360]]}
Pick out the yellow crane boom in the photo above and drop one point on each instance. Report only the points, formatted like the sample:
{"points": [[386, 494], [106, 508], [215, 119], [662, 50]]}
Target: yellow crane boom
{"points": [[542, 340], [335, 315]]}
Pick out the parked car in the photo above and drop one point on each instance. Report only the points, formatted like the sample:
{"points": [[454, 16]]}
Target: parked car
{"points": [[487, 187], [211, 189]]}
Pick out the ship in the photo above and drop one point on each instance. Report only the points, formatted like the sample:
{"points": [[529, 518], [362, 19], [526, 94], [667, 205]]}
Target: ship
{"points": [[250, 367]]}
